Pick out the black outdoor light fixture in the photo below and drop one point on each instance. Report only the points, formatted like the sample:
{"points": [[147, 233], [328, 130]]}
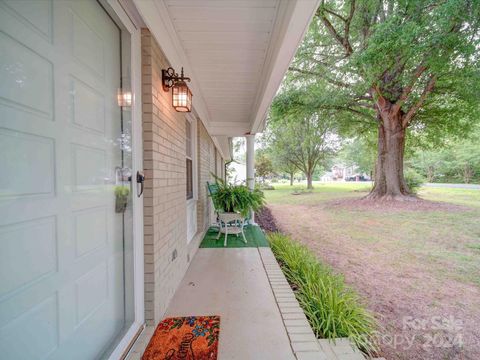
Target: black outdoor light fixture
{"points": [[181, 94]]}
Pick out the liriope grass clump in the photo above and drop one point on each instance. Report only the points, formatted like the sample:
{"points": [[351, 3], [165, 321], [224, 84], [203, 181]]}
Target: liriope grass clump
{"points": [[333, 309]]}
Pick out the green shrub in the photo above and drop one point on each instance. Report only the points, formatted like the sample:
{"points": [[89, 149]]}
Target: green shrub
{"points": [[237, 198], [414, 180], [333, 309]]}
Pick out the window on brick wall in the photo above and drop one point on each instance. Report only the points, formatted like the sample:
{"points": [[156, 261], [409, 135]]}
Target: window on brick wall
{"points": [[191, 173], [189, 160]]}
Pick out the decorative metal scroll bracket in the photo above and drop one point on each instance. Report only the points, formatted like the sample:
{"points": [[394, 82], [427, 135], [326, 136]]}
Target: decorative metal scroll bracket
{"points": [[170, 78]]}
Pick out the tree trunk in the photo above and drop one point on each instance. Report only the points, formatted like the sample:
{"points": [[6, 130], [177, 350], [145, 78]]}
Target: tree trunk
{"points": [[291, 179], [389, 180], [467, 173], [309, 181], [430, 174]]}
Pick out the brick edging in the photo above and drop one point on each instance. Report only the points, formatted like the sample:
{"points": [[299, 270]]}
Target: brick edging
{"points": [[302, 339]]}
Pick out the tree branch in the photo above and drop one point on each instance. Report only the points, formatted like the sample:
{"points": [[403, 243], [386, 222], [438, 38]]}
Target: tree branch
{"points": [[348, 21], [328, 79], [358, 112], [408, 89], [380, 102], [335, 14], [364, 105], [351, 110], [331, 29], [413, 110]]}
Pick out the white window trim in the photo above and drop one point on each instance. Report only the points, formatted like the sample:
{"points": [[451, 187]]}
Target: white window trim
{"points": [[192, 203], [193, 122]]}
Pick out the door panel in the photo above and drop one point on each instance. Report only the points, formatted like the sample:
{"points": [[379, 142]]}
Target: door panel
{"points": [[23, 154], [62, 253], [24, 65]]}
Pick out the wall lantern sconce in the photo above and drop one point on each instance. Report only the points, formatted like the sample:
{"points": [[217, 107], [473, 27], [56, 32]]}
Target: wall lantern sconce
{"points": [[181, 94], [124, 98]]}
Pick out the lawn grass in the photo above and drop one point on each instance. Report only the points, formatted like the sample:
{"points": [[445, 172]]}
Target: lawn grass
{"points": [[402, 262], [283, 194], [466, 197], [437, 236]]}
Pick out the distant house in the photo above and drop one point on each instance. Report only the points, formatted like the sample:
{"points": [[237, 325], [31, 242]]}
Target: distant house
{"points": [[327, 176], [341, 172]]}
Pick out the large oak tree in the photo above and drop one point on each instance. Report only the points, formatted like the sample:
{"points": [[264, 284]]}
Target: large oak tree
{"points": [[405, 66]]}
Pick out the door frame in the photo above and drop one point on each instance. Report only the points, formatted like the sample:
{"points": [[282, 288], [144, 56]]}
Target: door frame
{"points": [[119, 13]]}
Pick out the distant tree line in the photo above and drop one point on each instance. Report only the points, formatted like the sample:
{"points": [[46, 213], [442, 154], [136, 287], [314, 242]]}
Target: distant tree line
{"points": [[457, 160]]}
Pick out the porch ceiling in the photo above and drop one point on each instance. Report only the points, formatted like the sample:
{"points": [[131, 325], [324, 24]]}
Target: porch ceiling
{"points": [[235, 51]]}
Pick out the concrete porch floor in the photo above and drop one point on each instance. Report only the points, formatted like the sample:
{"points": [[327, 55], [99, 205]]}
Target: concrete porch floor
{"points": [[232, 283], [260, 317]]}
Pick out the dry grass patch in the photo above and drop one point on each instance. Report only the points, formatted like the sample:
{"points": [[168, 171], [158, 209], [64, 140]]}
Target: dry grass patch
{"points": [[405, 263]]}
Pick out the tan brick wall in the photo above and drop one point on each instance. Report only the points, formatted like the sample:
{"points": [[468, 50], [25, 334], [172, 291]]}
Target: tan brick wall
{"points": [[205, 161], [165, 186]]}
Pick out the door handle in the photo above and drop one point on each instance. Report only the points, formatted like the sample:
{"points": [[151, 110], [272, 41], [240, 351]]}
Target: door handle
{"points": [[141, 181]]}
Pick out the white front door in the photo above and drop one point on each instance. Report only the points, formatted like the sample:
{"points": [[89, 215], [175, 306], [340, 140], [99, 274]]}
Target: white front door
{"points": [[62, 286]]}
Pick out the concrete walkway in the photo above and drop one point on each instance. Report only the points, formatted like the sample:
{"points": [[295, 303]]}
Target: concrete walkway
{"points": [[232, 283], [260, 317]]}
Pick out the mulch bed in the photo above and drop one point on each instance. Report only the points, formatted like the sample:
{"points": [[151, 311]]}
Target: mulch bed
{"points": [[265, 219]]}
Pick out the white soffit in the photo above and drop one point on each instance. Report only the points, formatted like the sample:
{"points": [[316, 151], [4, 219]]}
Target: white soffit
{"points": [[235, 51], [224, 146]]}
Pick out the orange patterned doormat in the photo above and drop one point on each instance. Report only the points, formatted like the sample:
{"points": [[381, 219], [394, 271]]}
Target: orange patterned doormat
{"points": [[189, 338]]}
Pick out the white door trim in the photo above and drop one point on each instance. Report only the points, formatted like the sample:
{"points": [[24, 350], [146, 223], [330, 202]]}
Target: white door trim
{"points": [[137, 148]]}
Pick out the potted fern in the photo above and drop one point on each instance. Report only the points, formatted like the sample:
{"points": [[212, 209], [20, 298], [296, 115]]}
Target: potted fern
{"points": [[237, 198]]}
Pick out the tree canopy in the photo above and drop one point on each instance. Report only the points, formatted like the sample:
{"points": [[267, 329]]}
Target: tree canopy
{"points": [[302, 140], [390, 65], [263, 165], [422, 56]]}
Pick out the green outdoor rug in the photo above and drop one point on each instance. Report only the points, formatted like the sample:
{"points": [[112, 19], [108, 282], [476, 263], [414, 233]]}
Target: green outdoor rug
{"points": [[254, 235]]}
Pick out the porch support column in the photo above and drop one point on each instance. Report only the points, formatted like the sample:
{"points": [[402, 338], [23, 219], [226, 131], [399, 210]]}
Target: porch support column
{"points": [[251, 166]]}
